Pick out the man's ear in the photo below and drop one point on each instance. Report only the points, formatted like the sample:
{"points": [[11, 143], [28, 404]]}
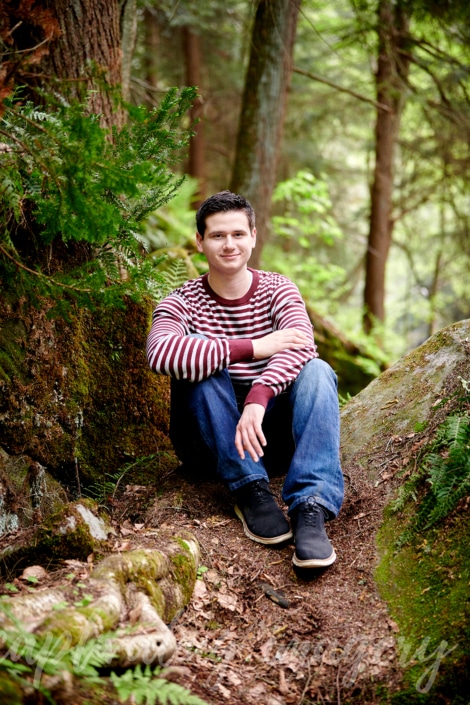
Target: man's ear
{"points": [[199, 241], [253, 235]]}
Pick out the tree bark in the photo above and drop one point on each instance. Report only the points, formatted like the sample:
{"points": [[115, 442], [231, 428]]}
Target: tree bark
{"points": [[392, 69], [151, 43], [196, 161], [128, 13], [76, 44], [263, 109]]}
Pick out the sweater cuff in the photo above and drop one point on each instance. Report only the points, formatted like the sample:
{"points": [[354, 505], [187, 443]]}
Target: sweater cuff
{"points": [[240, 350], [259, 394]]}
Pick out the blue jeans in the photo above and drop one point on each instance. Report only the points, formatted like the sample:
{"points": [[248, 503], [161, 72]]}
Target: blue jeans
{"points": [[303, 421]]}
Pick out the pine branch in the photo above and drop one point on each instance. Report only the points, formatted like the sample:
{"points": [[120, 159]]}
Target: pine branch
{"points": [[43, 276], [342, 89]]}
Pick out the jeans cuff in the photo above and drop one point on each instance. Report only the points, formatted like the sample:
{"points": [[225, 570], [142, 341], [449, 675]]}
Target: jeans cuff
{"points": [[233, 486]]}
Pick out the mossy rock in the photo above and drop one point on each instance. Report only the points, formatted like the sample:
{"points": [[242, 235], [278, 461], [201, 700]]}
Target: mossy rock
{"points": [[24, 502], [426, 585], [406, 396], [425, 580], [78, 397], [74, 532]]}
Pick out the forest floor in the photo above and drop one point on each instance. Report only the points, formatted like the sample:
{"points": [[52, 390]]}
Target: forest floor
{"points": [[256, 631]]}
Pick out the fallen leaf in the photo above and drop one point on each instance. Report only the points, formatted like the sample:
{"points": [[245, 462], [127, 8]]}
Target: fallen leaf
{"points": [[233, 678], [123, 546], [224, 691], [283, 687], [200, 589], [212, 576], [34, 571], [125, 532], [227, 600], [393, 625]]}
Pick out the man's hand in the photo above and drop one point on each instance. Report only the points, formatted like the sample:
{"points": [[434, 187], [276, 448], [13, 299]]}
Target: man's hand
{"points": [[285, 339], [249, 435]]}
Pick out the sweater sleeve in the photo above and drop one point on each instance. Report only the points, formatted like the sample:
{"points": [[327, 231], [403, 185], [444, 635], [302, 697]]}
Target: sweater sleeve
{"points": [[288, 311], [173, 350]]}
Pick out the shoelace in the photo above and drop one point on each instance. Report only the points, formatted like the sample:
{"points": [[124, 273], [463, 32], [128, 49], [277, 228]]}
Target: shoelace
{"points": [[261, 492], [311, 512]]}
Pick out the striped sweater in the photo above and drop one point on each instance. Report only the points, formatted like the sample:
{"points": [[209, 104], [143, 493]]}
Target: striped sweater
{"points": [[273, 302]]}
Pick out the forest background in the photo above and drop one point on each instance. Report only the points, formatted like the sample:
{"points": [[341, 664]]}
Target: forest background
{"points": [[371, 181], [345, 123]]}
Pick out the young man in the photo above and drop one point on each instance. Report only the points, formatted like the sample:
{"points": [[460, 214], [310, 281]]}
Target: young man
{"points": [[239, 347]]}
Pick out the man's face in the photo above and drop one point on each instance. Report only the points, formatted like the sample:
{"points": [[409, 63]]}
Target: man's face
{"points": [[228, 241]]}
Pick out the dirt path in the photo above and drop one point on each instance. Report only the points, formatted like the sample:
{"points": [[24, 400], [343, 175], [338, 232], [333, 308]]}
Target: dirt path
{"points": [[330, 639], [255, 632]]}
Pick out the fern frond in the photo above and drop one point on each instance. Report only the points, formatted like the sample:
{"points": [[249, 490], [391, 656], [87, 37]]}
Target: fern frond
{"points": [[75, 186], [176, 275], [445, 470], [148, 689]]}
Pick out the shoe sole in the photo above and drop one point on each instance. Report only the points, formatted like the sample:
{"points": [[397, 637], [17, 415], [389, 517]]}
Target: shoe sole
{"points": [[314, 562], [272, 541]]}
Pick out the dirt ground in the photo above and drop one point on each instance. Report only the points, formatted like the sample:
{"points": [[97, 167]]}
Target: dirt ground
{"points": [[258, 632], [255, 631]]}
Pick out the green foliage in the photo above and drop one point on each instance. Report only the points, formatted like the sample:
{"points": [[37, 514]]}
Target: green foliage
{"points": [[303, 234], [307, 211], [107, 487], [174, 223], [175, 275], [148, 690], [74, 192], [442, 479], [448, 469], [200, 572], [26, 656]]}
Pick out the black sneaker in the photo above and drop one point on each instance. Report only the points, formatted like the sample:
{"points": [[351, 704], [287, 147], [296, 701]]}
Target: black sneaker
{"points": [[263, 521], [312, 546]]}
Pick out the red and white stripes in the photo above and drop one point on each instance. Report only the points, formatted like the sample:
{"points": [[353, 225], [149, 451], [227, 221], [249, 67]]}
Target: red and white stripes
{"points": [[272, 303]]}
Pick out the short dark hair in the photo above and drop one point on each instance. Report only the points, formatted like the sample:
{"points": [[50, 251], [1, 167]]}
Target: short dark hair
{"points": [[223, 202]]}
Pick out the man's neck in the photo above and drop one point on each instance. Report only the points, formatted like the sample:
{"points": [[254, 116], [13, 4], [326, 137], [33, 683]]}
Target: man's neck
{"points": [[231, 287]]}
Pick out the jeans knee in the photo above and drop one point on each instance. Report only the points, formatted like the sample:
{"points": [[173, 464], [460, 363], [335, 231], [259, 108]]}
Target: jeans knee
{"points": [[317, 372], [216, 386]]}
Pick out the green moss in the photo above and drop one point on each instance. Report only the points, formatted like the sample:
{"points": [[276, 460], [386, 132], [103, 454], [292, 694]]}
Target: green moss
{"points": [[184, 569], [10, 692], [157, 597], [426, 585], [68, 626], [12, 353], [78, 398]]}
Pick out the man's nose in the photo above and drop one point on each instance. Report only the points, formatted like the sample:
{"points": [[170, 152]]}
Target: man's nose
{"points": [[229, 244]]}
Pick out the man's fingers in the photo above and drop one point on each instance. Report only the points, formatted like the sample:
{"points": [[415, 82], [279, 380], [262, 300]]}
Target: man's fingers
{"points": [[251, 443], [249, 435], [285, 339], [239, 444]]}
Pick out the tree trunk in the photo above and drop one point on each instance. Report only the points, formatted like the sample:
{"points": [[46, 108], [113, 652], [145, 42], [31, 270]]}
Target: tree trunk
{"points": [[85, 51], [264, 101], [151, 42], [392, 68], [128, 12], [196, 166]]}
